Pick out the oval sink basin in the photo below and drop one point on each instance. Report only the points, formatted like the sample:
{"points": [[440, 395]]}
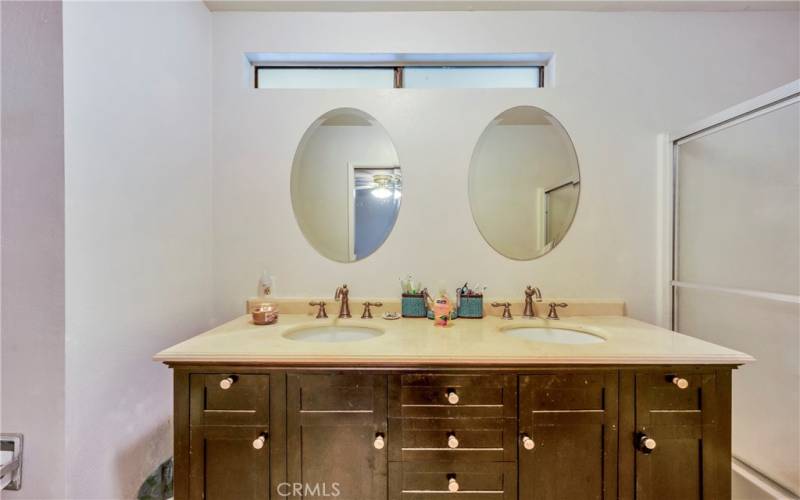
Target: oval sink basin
{"points": [[554, 335], [333, 334]]}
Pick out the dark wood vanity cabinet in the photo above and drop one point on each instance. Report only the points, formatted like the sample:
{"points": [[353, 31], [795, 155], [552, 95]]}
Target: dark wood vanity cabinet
{"points": [[415, 434], [568, 436], [336, 429], [223, 464], [230, 443], [691, 429]]}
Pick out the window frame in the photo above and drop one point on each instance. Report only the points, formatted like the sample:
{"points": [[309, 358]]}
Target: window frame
{"points": [[398, 70]]}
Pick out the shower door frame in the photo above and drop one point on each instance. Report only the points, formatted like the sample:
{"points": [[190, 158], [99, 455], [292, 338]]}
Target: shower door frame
{"points": [[667, 246], [667, 272]]}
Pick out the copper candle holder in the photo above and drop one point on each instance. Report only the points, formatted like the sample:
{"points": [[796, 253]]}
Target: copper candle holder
{"points": [[265, 314]]}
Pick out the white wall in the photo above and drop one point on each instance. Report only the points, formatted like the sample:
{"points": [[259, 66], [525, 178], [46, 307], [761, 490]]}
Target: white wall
{"points": [[33, 242], [621, 79], [138, 238]]}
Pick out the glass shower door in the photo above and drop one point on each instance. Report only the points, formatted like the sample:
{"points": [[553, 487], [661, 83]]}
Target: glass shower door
{"points": [[736, 274]]}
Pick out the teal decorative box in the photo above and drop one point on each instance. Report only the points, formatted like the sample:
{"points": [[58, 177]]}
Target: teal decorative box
{"points": [[470, 306], [413, 305]]}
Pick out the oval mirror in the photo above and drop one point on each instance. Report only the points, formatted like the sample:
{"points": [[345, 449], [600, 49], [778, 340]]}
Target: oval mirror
{"points": [[346, 185], [524, 183]]}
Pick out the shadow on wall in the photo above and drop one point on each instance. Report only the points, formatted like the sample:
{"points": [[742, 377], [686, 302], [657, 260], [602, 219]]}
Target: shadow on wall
{"points": [[144, 465]]}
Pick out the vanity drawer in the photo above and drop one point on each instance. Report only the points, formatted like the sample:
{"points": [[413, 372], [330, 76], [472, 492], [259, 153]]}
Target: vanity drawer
{"points": [[453, 396], [673, 396], [229, 399], [447, 439], [431, 480], [224, 463]]}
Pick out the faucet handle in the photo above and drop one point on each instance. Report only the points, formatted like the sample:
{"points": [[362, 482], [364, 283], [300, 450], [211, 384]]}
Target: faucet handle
{"points": [[321, 313], [506, 309], [367, 314], [553, 314]]}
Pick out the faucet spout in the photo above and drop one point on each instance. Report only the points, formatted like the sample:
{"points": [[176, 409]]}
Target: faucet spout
{"points": [[342, 296], [531, 293]]}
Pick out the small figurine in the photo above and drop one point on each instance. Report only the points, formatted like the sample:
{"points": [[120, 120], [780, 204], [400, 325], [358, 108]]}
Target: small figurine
{"points": [[442, 307]]}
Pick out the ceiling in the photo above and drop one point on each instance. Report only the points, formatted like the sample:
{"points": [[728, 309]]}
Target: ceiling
{"points": [[499, 5]]}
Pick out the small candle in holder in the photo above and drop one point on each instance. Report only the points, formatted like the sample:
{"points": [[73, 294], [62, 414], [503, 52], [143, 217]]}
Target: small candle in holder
{"points": [[265, 314]]}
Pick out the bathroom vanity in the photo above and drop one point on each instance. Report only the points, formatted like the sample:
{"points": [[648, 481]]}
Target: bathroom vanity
{"points": [[414, 412]]}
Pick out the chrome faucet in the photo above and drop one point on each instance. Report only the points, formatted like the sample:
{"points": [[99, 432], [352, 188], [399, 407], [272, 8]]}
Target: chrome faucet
{"points": [[531, 293], [341, 296]]}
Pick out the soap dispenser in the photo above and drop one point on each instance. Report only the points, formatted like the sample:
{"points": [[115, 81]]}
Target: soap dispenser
{"points": [[265, 284]]}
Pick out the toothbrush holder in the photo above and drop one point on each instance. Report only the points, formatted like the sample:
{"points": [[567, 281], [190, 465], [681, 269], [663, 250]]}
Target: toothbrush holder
{"points": [[470, 306], [413, 305]]}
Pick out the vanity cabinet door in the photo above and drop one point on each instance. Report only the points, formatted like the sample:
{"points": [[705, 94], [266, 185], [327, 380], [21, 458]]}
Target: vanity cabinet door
{"points": [[568, 436], [337, 435], [681, 424], [229, 462]]}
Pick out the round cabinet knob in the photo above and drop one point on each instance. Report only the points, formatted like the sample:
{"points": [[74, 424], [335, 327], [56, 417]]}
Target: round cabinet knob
{"points": [[226, 383], [452, 397], [452, 484], [452, 441], [682, 383], [380, 442], [259, 442], [646, 444], [528, 443]]}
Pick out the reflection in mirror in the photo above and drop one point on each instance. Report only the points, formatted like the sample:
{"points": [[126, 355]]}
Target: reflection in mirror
{"points": [[346, 185], [524, 183]]}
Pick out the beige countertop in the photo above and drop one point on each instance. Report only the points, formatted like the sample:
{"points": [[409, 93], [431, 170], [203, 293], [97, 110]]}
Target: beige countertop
{"points": [[465, 342]]}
